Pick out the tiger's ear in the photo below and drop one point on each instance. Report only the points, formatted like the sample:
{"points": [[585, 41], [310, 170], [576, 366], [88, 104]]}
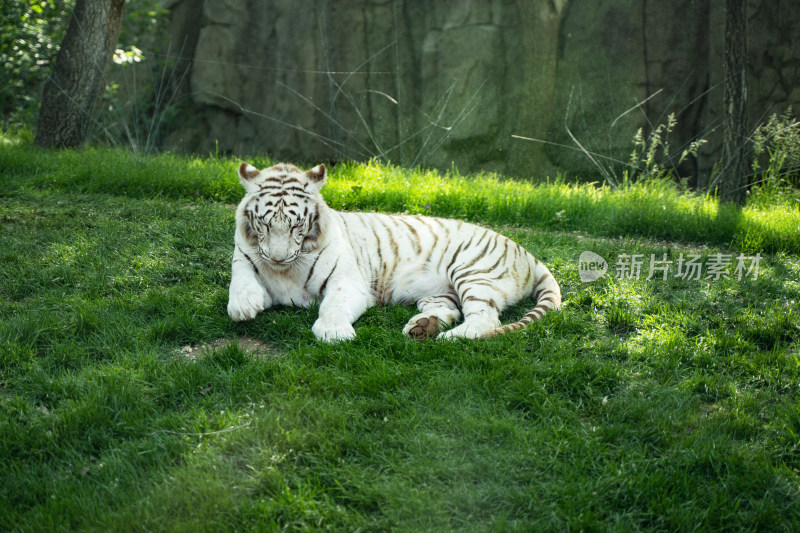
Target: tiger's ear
{"points": [[317, 175], [248, 175]]}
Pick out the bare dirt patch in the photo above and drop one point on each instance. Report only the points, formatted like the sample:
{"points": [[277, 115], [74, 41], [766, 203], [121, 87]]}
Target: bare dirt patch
{"points": [[250, 345]]}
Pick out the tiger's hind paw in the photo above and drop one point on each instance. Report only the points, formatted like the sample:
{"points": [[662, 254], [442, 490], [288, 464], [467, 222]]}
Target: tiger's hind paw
{"points": [[423, 327]]}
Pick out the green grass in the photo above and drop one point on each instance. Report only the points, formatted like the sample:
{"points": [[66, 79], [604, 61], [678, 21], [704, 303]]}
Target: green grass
{"points": [[656, 210], [655, 405]]}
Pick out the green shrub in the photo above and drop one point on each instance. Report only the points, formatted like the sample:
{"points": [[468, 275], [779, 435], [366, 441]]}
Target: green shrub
{"points": [[30, 33]]}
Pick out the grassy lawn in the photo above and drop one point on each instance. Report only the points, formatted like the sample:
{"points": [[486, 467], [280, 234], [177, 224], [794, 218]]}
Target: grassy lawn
{"points": [[644, 404]]}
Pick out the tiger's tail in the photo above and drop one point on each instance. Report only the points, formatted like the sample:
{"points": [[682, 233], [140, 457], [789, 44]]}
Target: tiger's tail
{"points": [[547, 294]]}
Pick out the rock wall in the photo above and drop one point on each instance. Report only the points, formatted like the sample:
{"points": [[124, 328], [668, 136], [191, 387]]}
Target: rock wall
{"points": [[459, 81]]}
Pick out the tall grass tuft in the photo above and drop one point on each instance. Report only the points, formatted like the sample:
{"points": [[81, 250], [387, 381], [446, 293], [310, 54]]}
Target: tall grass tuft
{"points": [[776, 162], [652, 158]]}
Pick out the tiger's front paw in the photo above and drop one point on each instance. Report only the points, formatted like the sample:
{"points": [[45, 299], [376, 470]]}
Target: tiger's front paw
{"points": [[331, 331], [246, 301]]}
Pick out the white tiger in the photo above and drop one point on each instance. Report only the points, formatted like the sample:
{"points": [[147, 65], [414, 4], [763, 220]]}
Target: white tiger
{"points": [[292, 249]]}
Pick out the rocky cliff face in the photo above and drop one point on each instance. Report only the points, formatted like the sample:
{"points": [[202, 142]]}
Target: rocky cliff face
{"points": [[459, 81]]}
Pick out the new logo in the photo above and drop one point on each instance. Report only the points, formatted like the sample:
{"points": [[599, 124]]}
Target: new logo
{"points": [[591, 266]]}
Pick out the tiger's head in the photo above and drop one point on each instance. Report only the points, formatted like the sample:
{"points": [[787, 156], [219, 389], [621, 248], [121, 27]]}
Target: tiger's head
{"points": [[280, 213]]}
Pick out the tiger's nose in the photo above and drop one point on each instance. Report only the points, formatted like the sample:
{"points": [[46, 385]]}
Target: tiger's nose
{"points": [[282, 260]]}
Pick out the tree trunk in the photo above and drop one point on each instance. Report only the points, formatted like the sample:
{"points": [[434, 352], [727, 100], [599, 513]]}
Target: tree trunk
{"points": [[733, 178], [78, 78]]}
